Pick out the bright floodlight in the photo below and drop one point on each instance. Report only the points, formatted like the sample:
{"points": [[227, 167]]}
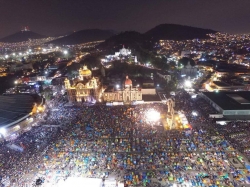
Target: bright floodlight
{"points": [[2, 131], [194, 113], [65, 52], [6, 56], [117, 86], [188, 83], [152, 115]]}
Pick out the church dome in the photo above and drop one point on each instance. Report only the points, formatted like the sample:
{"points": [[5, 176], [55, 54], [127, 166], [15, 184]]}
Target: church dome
{"points": [[128, 81], [85, 72]]}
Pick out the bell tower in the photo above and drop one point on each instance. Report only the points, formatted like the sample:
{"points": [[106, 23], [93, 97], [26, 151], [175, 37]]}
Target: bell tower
{"points": [[67, 84]]}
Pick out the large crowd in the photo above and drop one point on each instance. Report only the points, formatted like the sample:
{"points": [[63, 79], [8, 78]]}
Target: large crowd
{"points": [[120, 143]]}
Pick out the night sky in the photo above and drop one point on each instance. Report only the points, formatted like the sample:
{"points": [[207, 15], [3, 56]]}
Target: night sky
{"points": [[53, 17]]}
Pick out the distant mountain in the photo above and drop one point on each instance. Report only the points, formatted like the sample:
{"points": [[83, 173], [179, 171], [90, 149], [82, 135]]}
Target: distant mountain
{"points": [[63, 34], [83, 36], [140, 44], [177, 32], [131, 39], [21, 36], [136, 40]]}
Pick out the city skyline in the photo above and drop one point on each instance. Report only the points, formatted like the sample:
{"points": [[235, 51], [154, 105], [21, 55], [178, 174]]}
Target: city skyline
{"points": [[59, 17]]}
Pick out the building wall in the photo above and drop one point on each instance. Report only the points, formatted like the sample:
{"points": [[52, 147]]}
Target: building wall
{"points": [[83, 92], [123, 95], [236, 112], [148, 91]]}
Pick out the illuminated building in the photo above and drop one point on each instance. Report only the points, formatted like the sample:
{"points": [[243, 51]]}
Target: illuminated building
{"points": [[85, 88], [124, 52], [126, 94], [189, 70]]}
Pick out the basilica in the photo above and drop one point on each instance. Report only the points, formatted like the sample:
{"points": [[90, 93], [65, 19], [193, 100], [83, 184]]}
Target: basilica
{"points": [[85, 88], [189, 70], [126, 94]]}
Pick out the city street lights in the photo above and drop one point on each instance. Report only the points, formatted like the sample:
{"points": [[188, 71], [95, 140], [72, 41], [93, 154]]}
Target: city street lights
{"points": [[65, 52]]}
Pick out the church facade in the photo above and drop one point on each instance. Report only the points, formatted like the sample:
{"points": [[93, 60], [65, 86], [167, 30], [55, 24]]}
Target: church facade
{"points": [[127, 94], [189, 70], [85, 88]]}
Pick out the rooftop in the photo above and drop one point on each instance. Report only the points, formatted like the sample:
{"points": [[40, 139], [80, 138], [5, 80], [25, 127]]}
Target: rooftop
{"points": [[150, 98], [230, 100], [13, 107]]}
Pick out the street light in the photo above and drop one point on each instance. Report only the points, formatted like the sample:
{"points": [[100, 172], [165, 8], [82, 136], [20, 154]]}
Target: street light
{"points": [[117, 86], [65, 52], [6, 56]]}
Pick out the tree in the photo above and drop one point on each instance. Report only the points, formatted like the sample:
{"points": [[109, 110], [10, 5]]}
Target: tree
{"points": [[48, 93], [184, 61], [91, 61]]}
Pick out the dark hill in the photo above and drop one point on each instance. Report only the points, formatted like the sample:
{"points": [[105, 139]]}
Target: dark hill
{"points": [[83, 36], [131, 39], [21, 36], [177, 32]]}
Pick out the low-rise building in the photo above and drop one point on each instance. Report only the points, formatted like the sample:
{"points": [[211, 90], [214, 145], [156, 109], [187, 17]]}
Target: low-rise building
{"points": [[231, 105]]}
